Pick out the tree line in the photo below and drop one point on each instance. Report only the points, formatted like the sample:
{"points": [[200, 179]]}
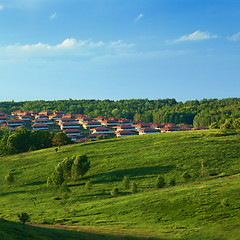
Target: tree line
{"points": [[24, 140], [194, 112]]}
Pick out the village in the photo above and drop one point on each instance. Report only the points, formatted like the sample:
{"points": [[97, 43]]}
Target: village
{"points": [[81, 128]]}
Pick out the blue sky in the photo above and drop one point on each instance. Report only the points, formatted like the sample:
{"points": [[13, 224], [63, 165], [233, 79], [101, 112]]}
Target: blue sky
{"points": [[119, 49]]}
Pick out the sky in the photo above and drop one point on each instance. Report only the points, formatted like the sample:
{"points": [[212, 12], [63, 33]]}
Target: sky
{"points": [[119, 49]]}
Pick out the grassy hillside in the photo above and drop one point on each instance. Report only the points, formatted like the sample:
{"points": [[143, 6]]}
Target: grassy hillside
{"points": [[205, 207]]}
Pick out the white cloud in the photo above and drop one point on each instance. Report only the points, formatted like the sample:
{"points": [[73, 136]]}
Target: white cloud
{"points": [[235, 37], [69, 47], [1, 7], [53, 15], [139, 17], [196, 36]]}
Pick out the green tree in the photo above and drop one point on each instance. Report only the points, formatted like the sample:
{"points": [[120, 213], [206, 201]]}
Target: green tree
{"points": [[9, 178], [24, 217], [186, 176], [115, 192], [66, 165], [160, 183], [126, 182], [134, 187], [60, 139], [80, 166]]}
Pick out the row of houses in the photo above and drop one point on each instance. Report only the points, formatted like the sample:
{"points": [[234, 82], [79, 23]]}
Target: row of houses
{"points": [[81, 127]]}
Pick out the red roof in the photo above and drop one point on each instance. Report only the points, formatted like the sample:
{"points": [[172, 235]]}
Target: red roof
{"points": [[40, 125], [71, 130], [97, 134], [147, 130], [69, 124], [199, 128], [14, 121], [126, 132], [101, 128]]}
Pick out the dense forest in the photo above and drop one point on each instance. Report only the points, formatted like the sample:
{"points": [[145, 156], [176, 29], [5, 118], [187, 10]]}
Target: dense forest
{"points": [[194, 112]]}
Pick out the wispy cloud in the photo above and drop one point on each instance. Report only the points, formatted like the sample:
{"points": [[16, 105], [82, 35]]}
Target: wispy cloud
{"points": [[235, 37], [1, 7], [69, 47], [196, 36], [53, 15], [140, 16]]}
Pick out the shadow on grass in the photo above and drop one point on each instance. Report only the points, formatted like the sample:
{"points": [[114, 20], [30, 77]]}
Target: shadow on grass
{"points": [[131, 173], [13, 230]]}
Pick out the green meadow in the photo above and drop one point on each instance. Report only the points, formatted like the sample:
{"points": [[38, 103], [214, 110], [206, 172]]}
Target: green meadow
{"points": [[207, 206]]}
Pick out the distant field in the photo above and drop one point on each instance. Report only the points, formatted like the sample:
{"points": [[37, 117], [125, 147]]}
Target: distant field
{"points": [[205, 208]]}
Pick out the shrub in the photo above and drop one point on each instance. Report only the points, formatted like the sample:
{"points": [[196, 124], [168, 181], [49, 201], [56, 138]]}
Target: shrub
{"points": [[114, 192], [126, 182], [186, 176], [88, 185], [134, 187], [24, 217], [172, 182], [9, 178], [160, 183], [64, 188]]}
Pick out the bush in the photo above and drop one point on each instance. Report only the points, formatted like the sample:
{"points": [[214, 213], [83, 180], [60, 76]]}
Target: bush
{"points": [[64, 188], [126, 182], [24, 217], [114, 192], [67, 166], [134, 187], [160, 183], [186, 176], [172, 182], [9, 178], [88, 185]]}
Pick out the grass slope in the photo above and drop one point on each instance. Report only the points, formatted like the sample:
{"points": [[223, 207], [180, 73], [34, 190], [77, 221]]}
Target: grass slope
{"points": [[203, 209]]}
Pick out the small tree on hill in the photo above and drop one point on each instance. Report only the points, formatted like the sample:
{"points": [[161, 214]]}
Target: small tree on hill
{"points": [[80, 166], [24, 217], [9, 178], [56, 179], [60, 139], [134, 187], [160, 183], [114, 192], [126, 182], [186, 176]]}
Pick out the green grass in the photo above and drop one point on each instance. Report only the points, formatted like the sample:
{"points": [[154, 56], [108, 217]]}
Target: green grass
{"points": [[205, 208]]}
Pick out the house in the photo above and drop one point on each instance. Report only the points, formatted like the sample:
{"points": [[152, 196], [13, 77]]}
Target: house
{"points": [[25, 117], [42, 121], [95, 135], [82, 140], [41, 116], [109, 122], [83, 119], [68, 125], [3, 119], [184, 128], [148, 130], [91, 124], [59, 113], [142, 125], [199, 128], [72, 132], [124, 128], [102, 130], [126, 133], [125, 121], [40, 126], [55, 117], [17, 113], [66, 120], [46, 113], [14, 123], [157, 125], [168, 129]]}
